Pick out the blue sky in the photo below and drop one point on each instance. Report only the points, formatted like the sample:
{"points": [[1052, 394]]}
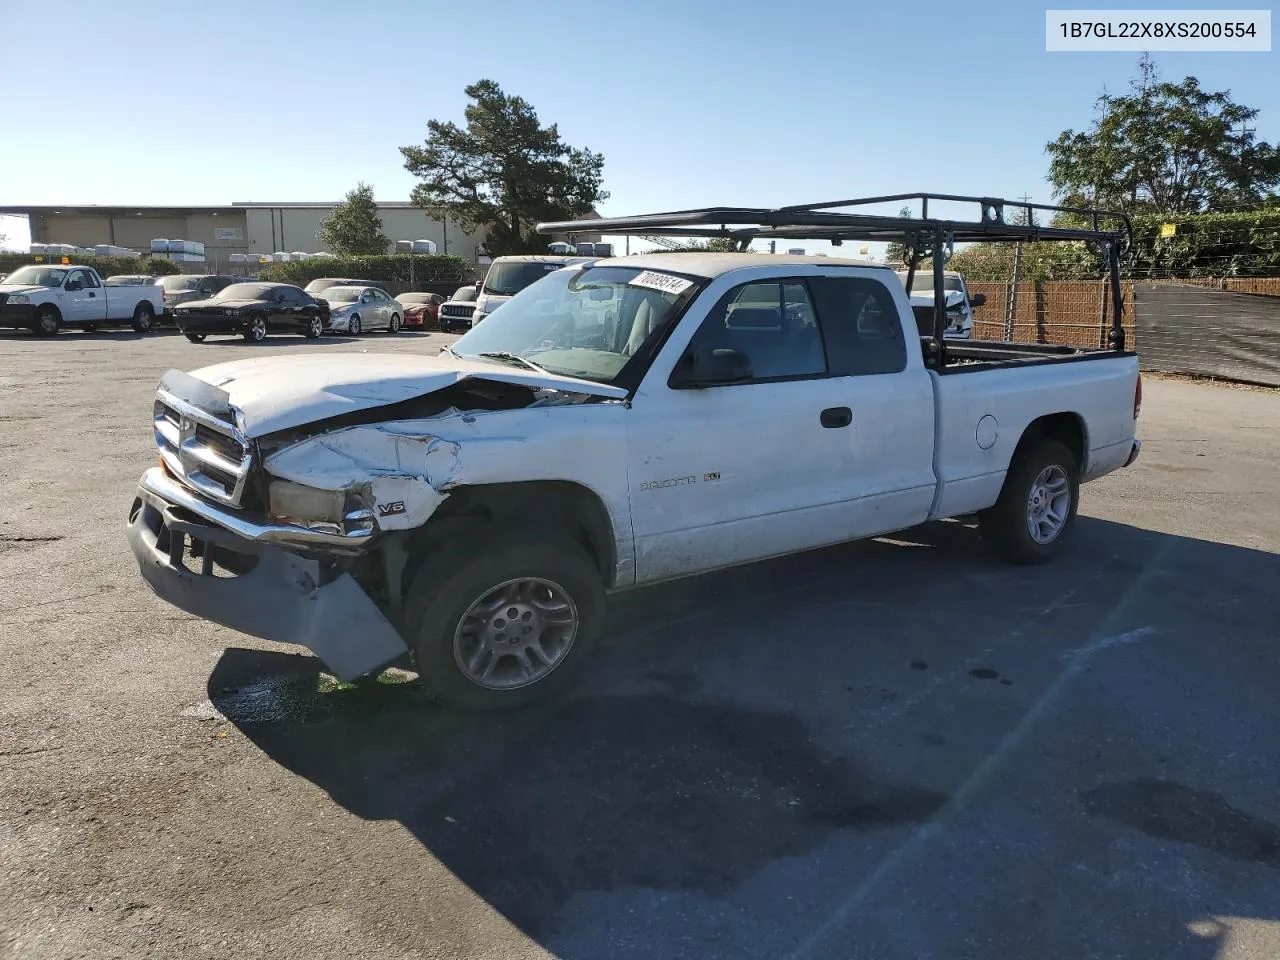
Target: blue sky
{"points": [[693, 103]]}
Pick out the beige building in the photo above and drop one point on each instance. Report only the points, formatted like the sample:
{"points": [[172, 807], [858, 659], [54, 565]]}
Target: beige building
{"points": [[246, 228]]}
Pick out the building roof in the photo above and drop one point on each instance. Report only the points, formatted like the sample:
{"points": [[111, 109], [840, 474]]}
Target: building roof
{"points": [[700, 264]]}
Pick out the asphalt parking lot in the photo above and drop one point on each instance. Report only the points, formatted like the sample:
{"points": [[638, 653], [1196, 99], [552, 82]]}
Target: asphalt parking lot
{"points": [[889, 749]]}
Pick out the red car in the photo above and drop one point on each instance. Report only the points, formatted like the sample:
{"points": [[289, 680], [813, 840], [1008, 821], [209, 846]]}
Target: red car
{"points": [[421, 310]]}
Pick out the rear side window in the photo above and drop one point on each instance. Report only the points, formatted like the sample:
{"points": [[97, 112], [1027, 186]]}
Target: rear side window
{"points": [[860, 325]]}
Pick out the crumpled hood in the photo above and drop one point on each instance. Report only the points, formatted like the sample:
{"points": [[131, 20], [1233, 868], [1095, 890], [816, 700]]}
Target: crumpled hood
{"points": [[279, 392], [955, 298]]}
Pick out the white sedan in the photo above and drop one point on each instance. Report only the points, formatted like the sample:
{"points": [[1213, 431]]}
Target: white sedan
{"points": [[355, 310]]}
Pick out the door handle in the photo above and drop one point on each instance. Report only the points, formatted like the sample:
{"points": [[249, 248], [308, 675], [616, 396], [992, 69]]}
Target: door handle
{"points": [[836, 417]]}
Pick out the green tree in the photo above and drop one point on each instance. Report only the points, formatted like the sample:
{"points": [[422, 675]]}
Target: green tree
{"points": [[354, 227], [504, 172], [896, 252], [1165, 148]]}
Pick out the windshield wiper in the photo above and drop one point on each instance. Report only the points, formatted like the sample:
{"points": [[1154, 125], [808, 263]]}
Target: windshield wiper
{"points": [[509, 357]]}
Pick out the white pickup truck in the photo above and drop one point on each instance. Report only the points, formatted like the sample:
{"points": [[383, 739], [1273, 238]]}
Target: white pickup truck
{"points": [[47, 298], [959, 304], [615, 424]]}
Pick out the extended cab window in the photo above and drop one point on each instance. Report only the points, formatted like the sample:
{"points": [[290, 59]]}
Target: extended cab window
{"points": [[773, 324], [861, 325]]}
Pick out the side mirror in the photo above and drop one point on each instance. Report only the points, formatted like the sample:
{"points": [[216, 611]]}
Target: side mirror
{"points": [[978, 299], [478, 285], [711, 367]]}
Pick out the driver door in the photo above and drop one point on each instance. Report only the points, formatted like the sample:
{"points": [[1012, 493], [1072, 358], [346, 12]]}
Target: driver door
{"points": [[78, 306], [725, 474]]}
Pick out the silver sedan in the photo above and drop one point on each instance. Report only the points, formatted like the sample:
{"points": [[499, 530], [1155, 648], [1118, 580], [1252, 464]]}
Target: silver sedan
{"points": [[356, 310]]}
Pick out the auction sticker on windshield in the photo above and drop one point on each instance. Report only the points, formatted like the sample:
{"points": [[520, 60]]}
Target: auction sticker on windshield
{"points": [[661, 281]]}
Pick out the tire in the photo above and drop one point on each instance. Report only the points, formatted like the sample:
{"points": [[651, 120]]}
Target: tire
{"points": [[196, 337], [314, 328], [144, 317], [450, 583], [256, 332], [1038, 478], [394, 325], [353, 326], [46, 321]]}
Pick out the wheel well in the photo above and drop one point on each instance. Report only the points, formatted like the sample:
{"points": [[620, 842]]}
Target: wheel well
{"points": [[556, 504], [1066, 428], [137, 309], [48, 306]]}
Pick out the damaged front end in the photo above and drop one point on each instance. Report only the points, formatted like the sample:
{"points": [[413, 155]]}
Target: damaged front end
{"points": [[299, 535]]}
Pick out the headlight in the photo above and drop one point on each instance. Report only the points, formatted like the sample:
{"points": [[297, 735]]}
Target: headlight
{"points": [[330, 511], [19, 298], [231, 312]]}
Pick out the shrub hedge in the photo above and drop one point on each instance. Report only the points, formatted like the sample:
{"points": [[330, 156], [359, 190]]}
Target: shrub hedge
{"points": [[425, 269], [106, 266]]}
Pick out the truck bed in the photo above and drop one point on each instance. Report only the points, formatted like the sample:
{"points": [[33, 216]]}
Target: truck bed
{"points": [[966, 356]]}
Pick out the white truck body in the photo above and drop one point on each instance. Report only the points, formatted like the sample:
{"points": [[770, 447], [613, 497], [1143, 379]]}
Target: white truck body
{"points": [[672, 479], [46, 298]]}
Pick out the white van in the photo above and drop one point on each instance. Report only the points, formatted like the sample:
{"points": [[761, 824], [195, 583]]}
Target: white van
{"points": [[507, 276]]}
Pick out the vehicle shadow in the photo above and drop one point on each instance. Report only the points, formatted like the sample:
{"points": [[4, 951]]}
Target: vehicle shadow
{"points": [[689, 763], [68, 334]]}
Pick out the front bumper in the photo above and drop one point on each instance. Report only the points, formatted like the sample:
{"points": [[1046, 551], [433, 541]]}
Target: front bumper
{"points": [[16, 315], [252, 577], [209, 323], [334, 324]]}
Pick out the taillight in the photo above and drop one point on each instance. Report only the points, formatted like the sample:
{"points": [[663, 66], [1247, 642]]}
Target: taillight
{"points": [[1137, 398]]}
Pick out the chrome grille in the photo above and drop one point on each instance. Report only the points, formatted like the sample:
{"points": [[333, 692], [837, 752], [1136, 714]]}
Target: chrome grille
{"points": [[457, 309], [208, 455]]}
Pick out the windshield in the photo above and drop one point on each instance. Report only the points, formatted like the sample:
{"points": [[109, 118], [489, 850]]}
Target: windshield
{"points": [[180, 284], [508, 279], [36, 277], [464, 295], [343, 294], [923, 283], [408, 298], [244, 291], [581, 323]]}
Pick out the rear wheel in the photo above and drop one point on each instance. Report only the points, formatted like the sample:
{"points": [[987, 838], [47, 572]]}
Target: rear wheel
{"points": [[505, 620], [315, 327], [256, 331], [1037, 506], [47, 320], [144, 317], [196, 337], [394, 326]]}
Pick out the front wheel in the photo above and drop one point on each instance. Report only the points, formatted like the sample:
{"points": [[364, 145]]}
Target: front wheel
{"points": [[256, 332], [353, 326], [196, 337], [1037, 506], [46, 322], [144, 317], [314, 329], [505, 622], [394, 326]]}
